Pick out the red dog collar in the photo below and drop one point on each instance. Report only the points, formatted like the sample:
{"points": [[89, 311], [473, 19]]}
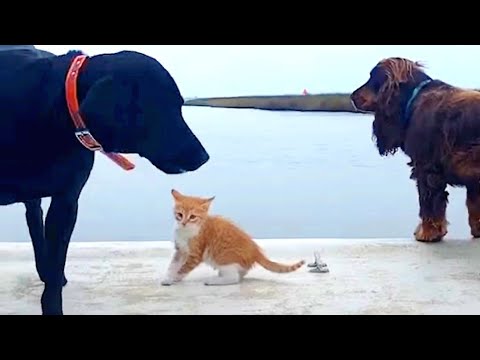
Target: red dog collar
{"points": [[81, 131]]}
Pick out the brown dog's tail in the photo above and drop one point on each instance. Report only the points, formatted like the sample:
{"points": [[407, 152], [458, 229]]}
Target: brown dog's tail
{"points": [[276, 267]]}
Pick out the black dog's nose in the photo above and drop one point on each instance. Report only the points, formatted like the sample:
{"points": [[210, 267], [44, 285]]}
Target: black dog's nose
{"points": [[204, 158]]}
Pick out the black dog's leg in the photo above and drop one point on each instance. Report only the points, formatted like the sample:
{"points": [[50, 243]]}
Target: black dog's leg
{"points": [[473, 205], [59, 225], [433, 199], [34, 217]]}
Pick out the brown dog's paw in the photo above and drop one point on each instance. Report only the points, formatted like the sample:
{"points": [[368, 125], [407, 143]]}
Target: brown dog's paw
{"points": [[475, 231], [431, 231], [474, 227]]}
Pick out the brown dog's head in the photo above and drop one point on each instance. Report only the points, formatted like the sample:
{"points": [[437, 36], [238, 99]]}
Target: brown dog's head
{"points": [[386, 94]]}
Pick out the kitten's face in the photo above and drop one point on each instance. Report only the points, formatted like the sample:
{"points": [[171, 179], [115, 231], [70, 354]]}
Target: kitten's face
{"points": [[190, 212]]}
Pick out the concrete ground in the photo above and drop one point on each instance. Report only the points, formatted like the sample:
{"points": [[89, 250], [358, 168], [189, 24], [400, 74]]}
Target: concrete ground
{"points": [[366, 277]]}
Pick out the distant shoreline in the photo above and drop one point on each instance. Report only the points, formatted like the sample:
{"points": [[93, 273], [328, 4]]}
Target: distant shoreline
{"points": [[333, 102], [305, 103]]}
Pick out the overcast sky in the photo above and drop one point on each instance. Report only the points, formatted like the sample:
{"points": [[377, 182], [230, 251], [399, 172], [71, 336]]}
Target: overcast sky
{"points": [[232, 70]]}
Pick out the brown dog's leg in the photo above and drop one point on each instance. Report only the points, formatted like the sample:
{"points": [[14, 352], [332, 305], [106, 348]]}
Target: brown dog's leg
{"points": [[433, 201], [473, 205]]}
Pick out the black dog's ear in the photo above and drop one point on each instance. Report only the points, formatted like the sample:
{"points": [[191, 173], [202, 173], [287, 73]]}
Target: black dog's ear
{"points": [[105, 110], [109, 100], [99, 102]]}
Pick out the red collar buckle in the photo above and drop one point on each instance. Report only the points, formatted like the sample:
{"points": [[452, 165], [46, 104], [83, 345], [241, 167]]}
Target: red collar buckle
{"points": [[87, 140]]}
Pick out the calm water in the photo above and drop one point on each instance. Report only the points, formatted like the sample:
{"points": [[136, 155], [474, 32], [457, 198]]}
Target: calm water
{"points": [[279, 175]]}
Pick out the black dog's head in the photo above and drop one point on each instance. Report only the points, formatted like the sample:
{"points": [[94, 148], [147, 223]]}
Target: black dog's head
{"points": [[132, 105], [386, 94]]}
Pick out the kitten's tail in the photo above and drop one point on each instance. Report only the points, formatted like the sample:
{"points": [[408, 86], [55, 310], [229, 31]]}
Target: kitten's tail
{"points": [[276, 267]]}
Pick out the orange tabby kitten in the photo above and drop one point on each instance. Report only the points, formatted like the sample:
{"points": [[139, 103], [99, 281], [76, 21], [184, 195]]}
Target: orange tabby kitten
{"points": [[200, 237]]}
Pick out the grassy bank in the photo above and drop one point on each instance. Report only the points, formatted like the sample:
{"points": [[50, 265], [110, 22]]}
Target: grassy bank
{"points": [[321, 102]]}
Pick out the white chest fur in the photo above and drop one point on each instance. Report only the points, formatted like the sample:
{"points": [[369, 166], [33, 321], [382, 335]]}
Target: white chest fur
{"points": [[183, 235]]}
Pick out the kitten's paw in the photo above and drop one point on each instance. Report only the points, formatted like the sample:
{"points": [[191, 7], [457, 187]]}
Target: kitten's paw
{"points": [[210, 282], [168, 282], [219, 281]]}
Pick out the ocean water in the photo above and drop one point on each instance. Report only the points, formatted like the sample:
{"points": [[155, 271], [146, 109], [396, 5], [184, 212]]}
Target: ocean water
{"points": [[277, 174]]}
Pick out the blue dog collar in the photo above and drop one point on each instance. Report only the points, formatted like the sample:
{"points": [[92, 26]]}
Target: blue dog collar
{"points": [[414, 95]]}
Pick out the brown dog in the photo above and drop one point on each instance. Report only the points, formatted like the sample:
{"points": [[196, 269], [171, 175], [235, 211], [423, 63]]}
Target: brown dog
{"points": [[438, 126]]}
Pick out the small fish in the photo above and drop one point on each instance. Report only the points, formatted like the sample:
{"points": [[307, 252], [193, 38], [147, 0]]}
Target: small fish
{"points": [[318, 261], [320, 270], [318, 266]]}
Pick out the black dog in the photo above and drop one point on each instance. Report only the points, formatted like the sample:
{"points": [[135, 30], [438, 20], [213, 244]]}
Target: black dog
{"points": [[130, 104]]}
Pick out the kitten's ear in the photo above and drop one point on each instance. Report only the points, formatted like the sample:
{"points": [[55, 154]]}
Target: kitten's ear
{"points": [[207, 202], [176, 195]]}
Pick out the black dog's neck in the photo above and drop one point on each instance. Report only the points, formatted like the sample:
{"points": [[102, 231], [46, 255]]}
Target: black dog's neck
{"points": [[114, 136], [56, 69]]}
